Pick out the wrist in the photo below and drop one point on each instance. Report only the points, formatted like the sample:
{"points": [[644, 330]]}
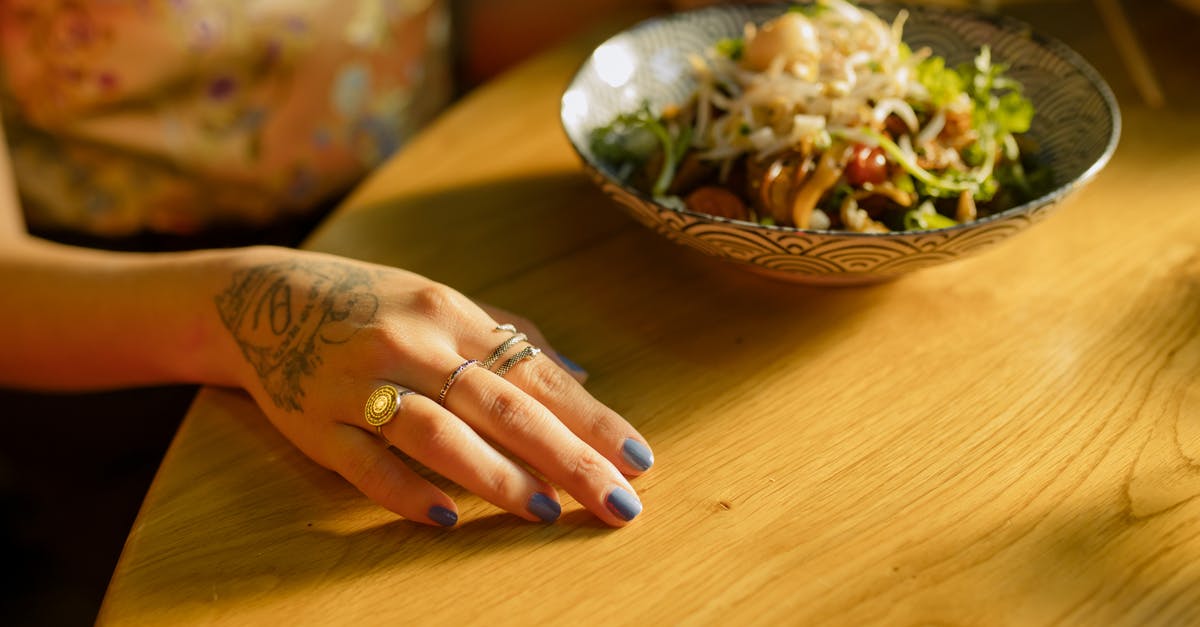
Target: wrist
{"points": [[216, 356]]}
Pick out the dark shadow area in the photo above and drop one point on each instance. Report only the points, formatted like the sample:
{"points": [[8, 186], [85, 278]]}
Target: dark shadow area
{"points": [[74, 468], [73, 471], [473, 236], [1121, 569]]}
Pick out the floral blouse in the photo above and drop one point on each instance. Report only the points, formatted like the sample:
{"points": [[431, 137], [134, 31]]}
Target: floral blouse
{"points": [[175, 115]]}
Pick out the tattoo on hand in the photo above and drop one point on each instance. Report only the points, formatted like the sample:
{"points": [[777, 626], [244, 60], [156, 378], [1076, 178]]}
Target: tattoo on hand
{"points": [[283, 315]]}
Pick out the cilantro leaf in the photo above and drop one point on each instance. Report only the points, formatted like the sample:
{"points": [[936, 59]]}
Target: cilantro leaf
{"points": [[1013, 113], [926, 218], [627, 139], [942, 83], [632, 138], [811, 9], [731, 47]]}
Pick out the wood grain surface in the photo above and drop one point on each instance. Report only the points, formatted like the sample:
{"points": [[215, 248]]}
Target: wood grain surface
{"points": [[1013, 439]]}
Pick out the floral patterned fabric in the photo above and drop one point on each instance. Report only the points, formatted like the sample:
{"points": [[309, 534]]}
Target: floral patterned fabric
{"points": [[175, 115]]}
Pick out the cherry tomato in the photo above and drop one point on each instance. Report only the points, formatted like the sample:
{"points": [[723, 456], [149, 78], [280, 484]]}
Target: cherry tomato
{"points": [[867, 165]]}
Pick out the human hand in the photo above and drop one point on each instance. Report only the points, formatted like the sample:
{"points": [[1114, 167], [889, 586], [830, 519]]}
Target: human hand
{"points": [[319, 334]]}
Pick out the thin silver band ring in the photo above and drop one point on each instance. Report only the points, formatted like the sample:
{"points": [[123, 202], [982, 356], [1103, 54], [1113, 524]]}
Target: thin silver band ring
{"points": [[452, 378]]}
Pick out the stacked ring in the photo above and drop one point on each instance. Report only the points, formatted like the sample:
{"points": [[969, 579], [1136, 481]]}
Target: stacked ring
{"points": [[503, 348], [529, 352]]}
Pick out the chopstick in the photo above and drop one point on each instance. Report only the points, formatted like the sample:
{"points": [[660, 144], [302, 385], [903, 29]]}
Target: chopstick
{"points": [[1116, 21]]}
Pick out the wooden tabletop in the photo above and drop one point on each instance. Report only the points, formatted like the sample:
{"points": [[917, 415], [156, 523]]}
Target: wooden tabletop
{"points": [[1010, 439]]}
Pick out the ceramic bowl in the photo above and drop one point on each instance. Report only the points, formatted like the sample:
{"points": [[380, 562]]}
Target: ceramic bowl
{"points": [[1077, 124]]}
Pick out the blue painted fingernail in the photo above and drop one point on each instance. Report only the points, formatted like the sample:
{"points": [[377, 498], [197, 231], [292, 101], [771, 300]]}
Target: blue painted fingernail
{"points": [[544, 507], [572, 366], [637, 454], [443, 516], [623, 504]]}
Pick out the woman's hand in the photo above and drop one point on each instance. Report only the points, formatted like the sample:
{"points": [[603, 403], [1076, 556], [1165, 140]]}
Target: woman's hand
{"points": [[319, 334]]}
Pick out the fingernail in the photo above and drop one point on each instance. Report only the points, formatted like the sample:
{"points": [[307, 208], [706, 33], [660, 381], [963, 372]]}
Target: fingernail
{"points": [[623, 504], [443, 516], [544, 507], [637, 454], [572, 366]]}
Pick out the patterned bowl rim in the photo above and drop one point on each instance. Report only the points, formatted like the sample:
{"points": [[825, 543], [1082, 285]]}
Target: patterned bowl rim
{"points": [[1002, 22]]}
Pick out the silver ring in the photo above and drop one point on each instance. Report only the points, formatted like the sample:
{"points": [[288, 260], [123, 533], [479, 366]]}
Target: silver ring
{"points": [[529, 352], [503, 348], [452, 378]]}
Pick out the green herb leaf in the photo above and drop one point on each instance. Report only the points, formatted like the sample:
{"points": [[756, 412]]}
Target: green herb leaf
{"points": [[999, 111], [835, 198], [812, 9], [1013, 113], [627, 139], [1000, 108], [943, 84], [634, 137], [731, 47], [926, 218]]}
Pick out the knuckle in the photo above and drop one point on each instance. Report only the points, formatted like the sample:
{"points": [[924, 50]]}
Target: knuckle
{"points": [[594, 421], [511, 411], [427, 434], [605, 426], [379, 349], [500, 483], [586, 467], [548, 379], [365, 473], [435, 300]]}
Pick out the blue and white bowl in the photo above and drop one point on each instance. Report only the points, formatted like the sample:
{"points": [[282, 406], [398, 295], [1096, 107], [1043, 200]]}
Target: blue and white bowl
{"points": [[1076, 125]]}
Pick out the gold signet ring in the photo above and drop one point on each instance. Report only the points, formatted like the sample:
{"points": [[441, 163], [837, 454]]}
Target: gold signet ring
{"points": [[383, 404]]}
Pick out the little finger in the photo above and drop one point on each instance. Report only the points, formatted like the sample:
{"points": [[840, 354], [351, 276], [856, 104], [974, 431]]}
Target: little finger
{"points": [[384, 478]]}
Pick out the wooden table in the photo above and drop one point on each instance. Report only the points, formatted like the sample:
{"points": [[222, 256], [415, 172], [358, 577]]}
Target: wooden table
{"points": [[1011, 439]]}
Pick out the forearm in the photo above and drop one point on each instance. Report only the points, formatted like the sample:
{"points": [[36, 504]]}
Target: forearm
{"points": [[81, 319]]}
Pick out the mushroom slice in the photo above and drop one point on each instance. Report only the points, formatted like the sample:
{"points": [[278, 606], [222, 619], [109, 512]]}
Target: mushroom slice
{"points": [[717, 201]]}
